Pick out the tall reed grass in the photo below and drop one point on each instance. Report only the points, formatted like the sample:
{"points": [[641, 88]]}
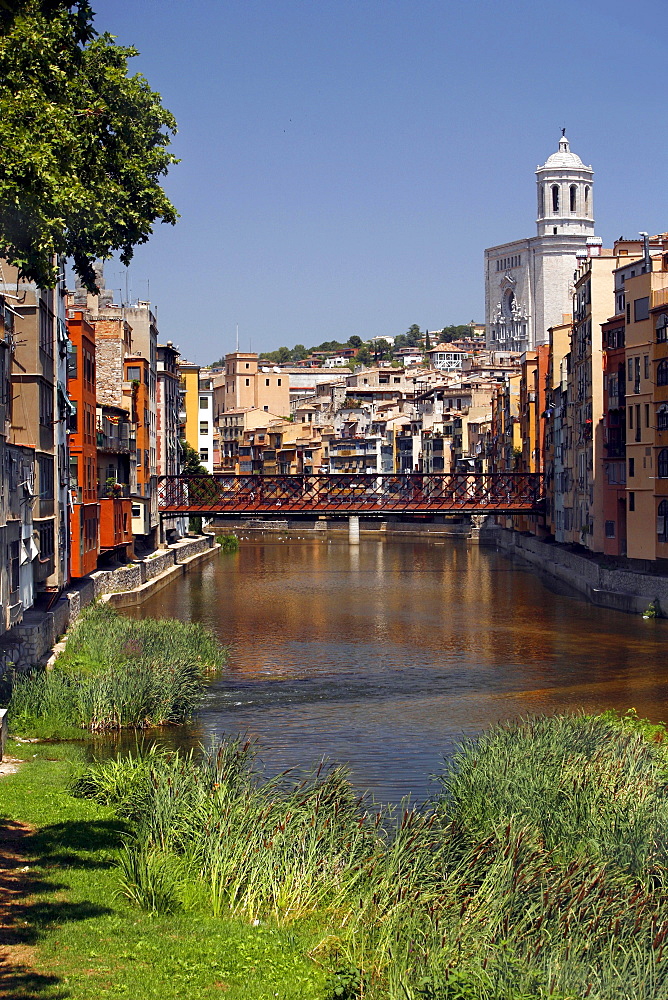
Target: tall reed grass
{"points": [[116, 673], [539, 872]]}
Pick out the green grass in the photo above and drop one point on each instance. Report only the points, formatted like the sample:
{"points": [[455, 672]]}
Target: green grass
{"points": [[90, 940], [541, 873], [116, 673], [228, 543]]}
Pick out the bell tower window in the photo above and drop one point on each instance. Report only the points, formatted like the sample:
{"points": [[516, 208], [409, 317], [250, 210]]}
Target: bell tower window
{"points": [[573, 196], [555, 197], [587, 200], [541, 200]]}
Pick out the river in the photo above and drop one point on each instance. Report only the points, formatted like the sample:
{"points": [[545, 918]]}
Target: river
{"points": [[383, 655]]}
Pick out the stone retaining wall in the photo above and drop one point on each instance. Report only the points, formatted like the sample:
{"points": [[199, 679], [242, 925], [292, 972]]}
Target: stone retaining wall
{"points": [[619, 589], [32, 641]]}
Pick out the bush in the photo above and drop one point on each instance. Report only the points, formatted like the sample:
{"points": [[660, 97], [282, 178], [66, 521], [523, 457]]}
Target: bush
{"points": [[117, 673], [540, 873]]}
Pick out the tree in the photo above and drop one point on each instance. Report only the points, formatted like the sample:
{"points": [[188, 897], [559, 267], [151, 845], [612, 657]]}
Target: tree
{"points": [[282, 355], [382, 349], [427, 341], [83, 144], [355, 341], [299, 352], [190, 463], [363, 355], [413, 336]]}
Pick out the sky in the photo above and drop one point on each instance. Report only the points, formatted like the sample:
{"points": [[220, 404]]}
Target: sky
{"points": [[344, 163]]}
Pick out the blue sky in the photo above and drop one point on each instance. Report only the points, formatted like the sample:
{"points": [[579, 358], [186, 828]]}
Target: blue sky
{"points": [[344, 163]]}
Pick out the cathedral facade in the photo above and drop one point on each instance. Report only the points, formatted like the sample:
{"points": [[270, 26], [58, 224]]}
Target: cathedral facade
{"points": [[528, 283]]}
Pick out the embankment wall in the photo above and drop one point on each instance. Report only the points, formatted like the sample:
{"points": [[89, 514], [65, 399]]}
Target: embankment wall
{"points": [[32, 641], [608, 587]]}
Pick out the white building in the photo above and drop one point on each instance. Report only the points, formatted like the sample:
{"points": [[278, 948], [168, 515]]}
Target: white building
{"points": [[204, 417], [528, 283]]}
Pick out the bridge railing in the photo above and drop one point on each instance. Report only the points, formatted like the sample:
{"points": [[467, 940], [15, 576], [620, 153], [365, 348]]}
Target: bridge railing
{"points": [[351, 493]]}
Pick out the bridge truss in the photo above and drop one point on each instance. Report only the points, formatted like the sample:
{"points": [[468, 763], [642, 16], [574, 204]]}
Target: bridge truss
{"points": [[361, 494]]}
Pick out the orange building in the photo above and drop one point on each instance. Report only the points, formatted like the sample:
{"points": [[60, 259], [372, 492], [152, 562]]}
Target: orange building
{"points": [[614, 436], [137, 379], [85, 509]]}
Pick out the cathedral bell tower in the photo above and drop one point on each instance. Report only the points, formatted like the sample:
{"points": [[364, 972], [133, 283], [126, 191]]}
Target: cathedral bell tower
{"points": [[565, 194]]}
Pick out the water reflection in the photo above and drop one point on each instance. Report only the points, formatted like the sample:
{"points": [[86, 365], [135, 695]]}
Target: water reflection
{"points": [[384, 654]]}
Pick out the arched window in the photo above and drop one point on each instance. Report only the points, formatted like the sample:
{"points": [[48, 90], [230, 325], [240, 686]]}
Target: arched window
{"points": [[574, 192], [662, 464], [662, 522], [587, 200], [662, 372], [541, 200], [555, 197]]}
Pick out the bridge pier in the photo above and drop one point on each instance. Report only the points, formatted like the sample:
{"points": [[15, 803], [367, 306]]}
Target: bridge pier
{"points": [[353, 530]]}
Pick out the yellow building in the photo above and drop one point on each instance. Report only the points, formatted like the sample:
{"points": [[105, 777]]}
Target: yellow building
{"points": [[644, 286], [189, 375]]}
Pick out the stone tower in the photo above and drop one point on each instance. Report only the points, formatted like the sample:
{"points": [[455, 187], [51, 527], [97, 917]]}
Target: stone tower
{"points": [[529, 282], [565, 193]]}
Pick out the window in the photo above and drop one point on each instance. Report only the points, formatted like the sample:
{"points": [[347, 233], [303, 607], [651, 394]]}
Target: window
{"points": [[632, 501], [278, 381], [646, 414], [45, 404], [609, 529], [204, 426], [204, 402], [662, 328], [662, 522], [204, 455], [573, 193], [45, 330], [555, 197], [247, 365], [266, 409], [586, 199], [247, 381], [632, 468], [662, 372], [662, 465], [45, 466], [133, 373], [641, 309], [541, 200], [630, 418], [71, 360], [646, 368], [266, 381]]}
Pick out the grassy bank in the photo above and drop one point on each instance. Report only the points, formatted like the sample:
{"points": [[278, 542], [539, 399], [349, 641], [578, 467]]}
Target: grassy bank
{"points": [[541, 872], [72, 934], [116, 673]]}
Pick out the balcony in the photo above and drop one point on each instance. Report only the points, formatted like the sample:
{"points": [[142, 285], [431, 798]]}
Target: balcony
{"points": [[114, 445], [113, 491], [115, 522]]}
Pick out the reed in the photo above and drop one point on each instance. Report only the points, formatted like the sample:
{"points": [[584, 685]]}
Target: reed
{"points": [[228, 543], [540, 872], [116, 673]]}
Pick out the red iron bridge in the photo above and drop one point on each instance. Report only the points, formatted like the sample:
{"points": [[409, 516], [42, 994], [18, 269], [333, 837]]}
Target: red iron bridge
{"points": [[356, 494]]}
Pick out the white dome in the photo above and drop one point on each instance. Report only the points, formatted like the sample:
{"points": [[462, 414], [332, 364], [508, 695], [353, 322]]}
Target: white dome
{"points": [[563, 158]]}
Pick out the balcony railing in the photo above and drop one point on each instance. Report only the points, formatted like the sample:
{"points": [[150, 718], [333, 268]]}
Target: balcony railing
{"points": [[115, 492]]}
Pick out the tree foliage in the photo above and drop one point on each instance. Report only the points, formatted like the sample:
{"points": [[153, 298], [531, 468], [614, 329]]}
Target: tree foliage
{"points": [[83, 144]]}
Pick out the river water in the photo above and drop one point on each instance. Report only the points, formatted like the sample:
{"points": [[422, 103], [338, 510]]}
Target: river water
{"points": [[383, 655]]}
